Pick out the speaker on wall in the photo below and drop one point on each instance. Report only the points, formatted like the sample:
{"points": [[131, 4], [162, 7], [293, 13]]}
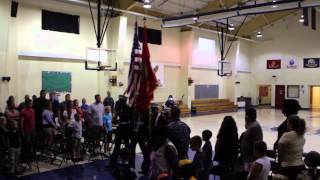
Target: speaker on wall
{"points": [[14, 8]]}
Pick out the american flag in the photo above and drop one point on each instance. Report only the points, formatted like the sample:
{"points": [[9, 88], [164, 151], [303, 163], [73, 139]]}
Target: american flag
{"points": [[135, 68]]}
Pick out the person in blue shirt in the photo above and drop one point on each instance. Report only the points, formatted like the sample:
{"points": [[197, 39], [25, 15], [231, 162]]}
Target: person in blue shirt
{"points": [[107, 124]]}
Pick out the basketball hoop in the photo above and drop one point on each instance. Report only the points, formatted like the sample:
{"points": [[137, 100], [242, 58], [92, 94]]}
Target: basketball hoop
{"points": [[224, 67], [100, 27], [99, 55]]}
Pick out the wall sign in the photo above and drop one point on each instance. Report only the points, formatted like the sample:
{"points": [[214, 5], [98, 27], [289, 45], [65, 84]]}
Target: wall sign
{"points": [[274, 64], [292, 64], [311, 62]]}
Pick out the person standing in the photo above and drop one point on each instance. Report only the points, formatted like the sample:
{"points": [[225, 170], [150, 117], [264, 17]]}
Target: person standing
{"points": [[53, 98], [291, 148], [23, 104], [261, 167], [227, 146], [107, 124], [290, 107], [207, 150], [170, 102], [63, 105], [39, 105], [27, 125], [252, 135], [96, 112], [108, 101], [179, 133], [123, 116], [11, 112]]}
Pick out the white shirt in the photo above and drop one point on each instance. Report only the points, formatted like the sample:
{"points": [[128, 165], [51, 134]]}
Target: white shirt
{"points": [[73, 112], [266, 167], [97, 111], [292, 149]]}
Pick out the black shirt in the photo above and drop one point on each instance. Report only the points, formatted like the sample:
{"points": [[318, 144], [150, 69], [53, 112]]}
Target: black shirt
{"points": [[207, 150], [39, 106], [108, 101], [198, 165], [14, 137]]}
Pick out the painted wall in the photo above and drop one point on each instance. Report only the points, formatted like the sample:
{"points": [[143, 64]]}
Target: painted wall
{"points": [[177, 52], [25, 34], [287, 39]]}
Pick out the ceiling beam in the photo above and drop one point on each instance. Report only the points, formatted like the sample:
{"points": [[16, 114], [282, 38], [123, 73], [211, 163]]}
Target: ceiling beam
{"points": [[127, 4], [218, 4], [261, 21], [149, 12]]}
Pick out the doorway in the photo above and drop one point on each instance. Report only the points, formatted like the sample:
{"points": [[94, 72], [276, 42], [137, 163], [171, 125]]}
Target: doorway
{"points": [[264, 94], [315, 97], [280, 96]]}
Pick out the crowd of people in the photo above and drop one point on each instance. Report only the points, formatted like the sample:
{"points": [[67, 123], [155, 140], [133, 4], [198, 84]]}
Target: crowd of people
{"points": [[161, 135]]}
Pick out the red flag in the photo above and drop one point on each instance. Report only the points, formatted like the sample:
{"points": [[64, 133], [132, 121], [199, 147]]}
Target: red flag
{"points": [[148, 82]]}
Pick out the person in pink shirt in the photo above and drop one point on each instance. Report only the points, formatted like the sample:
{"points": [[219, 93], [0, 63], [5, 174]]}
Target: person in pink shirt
{"points": [[11, 111]]}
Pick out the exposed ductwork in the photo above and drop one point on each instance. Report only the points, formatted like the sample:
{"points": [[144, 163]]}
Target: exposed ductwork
{"points": [[261, 8]]}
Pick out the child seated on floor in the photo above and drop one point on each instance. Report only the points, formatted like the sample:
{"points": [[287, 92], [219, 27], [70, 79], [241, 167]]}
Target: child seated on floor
{"points": [[107, 124], [123, 171], [76, 126], [260, 168], [207, 150]]}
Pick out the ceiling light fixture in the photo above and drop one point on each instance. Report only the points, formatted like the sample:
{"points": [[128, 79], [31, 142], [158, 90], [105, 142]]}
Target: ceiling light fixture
{"points": [[259, 34], [301, 19], [147, 4], [231, 27]]}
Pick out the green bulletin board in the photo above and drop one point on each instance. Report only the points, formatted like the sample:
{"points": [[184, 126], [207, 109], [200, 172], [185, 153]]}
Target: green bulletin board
{"points": [[56, 81]]}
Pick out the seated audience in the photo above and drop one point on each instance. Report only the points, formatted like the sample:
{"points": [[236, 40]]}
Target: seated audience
{"points": [[227, 146], [252, 135], [290, 148], [123, 169], [260, 168], [107, 124], [290, 107], [179, 134], [207, 150], [164, 158], [15, 142], [199, 160]]}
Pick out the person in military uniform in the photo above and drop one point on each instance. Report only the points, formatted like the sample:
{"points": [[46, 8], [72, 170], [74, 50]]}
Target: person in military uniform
{"points": [[140, 136], [123, 117], [170, 102]]}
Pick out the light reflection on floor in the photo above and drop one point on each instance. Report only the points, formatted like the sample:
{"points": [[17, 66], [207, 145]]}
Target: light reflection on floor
{"points": [[268, 118]]}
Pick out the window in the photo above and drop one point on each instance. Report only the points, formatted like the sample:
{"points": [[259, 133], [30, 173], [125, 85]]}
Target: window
{"points": [[154, 36], [293, 91], [206, 45], [60, 22]]}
